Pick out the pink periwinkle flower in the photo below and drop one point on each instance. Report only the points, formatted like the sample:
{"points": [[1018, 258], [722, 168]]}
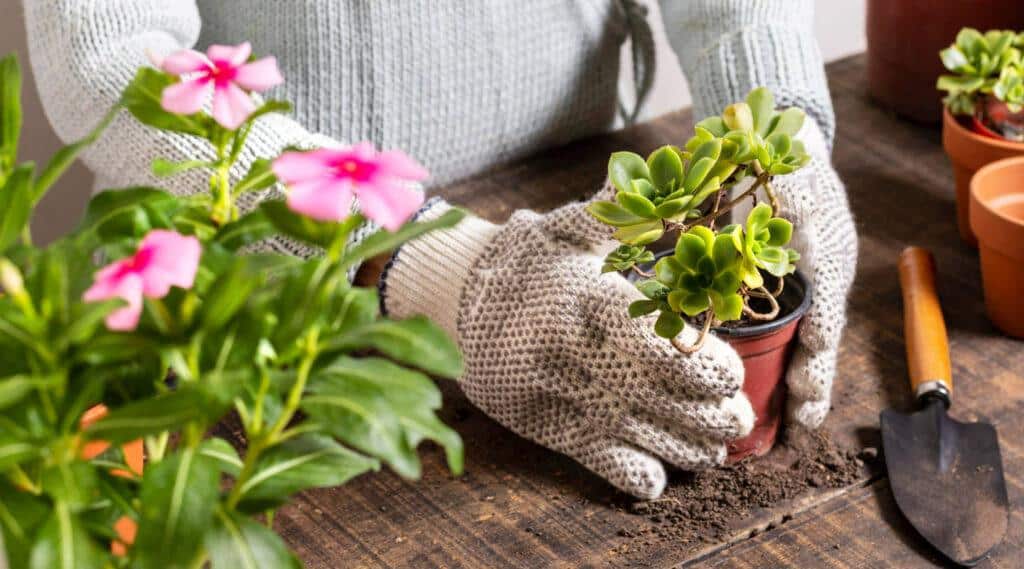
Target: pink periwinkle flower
{"points": [[164, 259], [321, 183], [225, 71]]}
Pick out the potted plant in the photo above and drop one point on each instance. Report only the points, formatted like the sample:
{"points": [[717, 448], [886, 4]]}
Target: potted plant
{"points": [[737, 281], [323, 386], [997, 217], [984, 106], [904, 35]]}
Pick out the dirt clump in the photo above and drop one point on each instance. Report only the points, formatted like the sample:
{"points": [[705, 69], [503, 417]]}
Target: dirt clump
{"points": [[709, 506]]}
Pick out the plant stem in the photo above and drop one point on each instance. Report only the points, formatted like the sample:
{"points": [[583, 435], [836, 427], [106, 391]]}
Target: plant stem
{"points": [[763, 293], [700, 339], [762, 179], [642, 272], [768, 190]]}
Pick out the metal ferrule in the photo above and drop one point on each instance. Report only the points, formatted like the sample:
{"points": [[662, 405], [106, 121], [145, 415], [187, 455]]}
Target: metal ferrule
{"points": [[934, 389]]}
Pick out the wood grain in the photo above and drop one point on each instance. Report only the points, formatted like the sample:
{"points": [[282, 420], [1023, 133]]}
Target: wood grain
{"points": [[519, 505]]}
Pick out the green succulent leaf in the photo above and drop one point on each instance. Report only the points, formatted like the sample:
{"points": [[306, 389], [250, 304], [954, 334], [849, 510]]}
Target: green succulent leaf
{"points": [[668, 325], [639, 308], [640, 233], [666, 168], [762, 105], [636, 204], [611, 213], [624, 167]]}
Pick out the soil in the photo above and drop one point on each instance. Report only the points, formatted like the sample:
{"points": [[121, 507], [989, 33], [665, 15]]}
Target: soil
{"points": [[704, 507]]}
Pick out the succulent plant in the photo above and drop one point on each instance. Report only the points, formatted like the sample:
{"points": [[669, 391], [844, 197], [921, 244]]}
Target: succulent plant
{"points": [[978, 62], [711, 274]]}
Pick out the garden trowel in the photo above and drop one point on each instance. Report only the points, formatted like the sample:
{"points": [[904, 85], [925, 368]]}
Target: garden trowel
{"points": [[947, 476]]}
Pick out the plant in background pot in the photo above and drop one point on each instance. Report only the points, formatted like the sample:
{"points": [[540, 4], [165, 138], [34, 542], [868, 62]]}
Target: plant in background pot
{"points": [[323, 387], [984, 106], [737, 281]]}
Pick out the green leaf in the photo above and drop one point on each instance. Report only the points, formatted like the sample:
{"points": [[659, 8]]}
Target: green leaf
{"points": [[636, 204], [668, 325], [669, 209], [221, 452], [10, 111], [165, 412], [666, 168], [690, 248], [21, 514], [178, 497], [641, 233], [228, 294], [697, 172], [310, 461], [711, 149], [416, 342], [639, 308], [714, 125], [789, 122], [252, 227], [762, 104], [73, 483], [689, 303], [237, 542], [624, 167], [652, 289], [728, 307], [128, 213], [63, 542], [142, 99], [955, 84], [66, 156], [781, 143], [14, 451], [15, 204], [774, 260], [383, 241], [298, 226], [14, 388], [259, 177], [356, 307], [781, 231], [668, 270], [611, 213], [953, 59], [163, 168]]}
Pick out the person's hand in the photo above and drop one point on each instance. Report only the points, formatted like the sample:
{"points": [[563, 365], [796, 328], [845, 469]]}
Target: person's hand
{"points": [[824, 234], [552, 353]]}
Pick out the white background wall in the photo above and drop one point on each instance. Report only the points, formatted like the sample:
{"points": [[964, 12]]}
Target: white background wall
{"points": [[840, 31]]}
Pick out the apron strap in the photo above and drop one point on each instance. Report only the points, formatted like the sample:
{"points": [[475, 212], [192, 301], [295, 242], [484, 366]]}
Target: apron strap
{"points": [[639, 30]]}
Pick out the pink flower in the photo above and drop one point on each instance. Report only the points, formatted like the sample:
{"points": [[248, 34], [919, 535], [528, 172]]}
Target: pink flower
{"points": [[163, 259], [224, 70], [323, 182]]}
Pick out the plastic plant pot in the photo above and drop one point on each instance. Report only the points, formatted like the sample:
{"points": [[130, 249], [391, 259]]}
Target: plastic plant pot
{"points": [[969, 151], [997, 217], [766, 349]]}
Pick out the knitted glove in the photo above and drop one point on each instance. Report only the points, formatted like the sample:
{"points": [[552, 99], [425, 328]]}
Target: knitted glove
{"points": [[727, 48], [552, 354]]}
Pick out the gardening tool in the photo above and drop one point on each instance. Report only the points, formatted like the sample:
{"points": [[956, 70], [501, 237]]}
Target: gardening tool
{"points": [[947, 476]]}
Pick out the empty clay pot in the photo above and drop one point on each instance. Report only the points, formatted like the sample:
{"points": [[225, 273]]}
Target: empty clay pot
{"points": [[766, 350], [969, 151], [997, 217], [904, 39]]}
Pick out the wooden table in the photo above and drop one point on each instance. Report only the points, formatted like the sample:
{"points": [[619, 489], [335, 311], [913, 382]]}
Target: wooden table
{"points": [[519, 505]]}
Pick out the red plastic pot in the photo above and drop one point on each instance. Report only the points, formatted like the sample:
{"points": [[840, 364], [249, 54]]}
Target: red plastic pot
{"points": [[904, 39], [997, 217], [766, 350]]}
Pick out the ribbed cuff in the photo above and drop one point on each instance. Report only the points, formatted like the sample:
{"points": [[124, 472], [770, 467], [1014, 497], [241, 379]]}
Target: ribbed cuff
{"points": [[427, 276]]}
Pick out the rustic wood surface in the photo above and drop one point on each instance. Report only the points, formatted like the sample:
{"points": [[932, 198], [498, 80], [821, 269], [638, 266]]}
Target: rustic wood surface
{"points": [[519, 505]]}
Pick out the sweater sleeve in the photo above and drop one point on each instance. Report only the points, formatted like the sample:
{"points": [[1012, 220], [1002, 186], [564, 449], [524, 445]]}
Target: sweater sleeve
{"points": [[729, 47], [84, 52]]}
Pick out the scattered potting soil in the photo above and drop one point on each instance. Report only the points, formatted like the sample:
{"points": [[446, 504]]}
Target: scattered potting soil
{"points": [[708, 507]]}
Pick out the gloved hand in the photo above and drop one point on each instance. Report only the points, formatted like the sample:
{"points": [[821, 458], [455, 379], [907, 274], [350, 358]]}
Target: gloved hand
{"points": [[552, 354]]}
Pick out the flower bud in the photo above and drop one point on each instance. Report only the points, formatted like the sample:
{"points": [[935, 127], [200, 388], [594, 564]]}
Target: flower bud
{"points": [[738, 116], [10, 278]]}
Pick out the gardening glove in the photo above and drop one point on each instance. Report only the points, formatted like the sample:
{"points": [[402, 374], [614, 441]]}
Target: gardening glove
{"points": [[726, 49], [552, 354]]}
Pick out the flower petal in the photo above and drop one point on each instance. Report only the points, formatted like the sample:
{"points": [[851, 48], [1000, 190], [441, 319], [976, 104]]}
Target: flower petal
{"points": [[186, 97], [400, 165], [389, 204], [292, 167], [233, 55], [231, 106], [330, 201], [185, 61], [259, 75], [107, 280], [172, 260], [129, 288]]}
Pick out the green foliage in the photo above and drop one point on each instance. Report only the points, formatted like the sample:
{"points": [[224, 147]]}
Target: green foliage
{"points": [[325, 387], [711, 272], [979, 63]]}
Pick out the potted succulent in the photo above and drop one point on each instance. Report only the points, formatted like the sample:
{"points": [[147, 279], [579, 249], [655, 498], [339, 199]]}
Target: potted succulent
{"points": [[984, 106], [737, 281], [176, 329]]}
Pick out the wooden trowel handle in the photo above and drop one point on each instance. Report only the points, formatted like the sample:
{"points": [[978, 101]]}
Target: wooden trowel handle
{"points": [[923, 327]]}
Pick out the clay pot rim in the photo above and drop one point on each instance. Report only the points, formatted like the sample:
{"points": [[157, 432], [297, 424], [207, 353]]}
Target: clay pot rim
{"points": [[999, 222], [961, 131], [770, 327]]}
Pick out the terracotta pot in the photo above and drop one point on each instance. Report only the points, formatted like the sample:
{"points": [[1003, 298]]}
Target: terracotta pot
{"points": [[904, 39], [997, 217], [124, 527], [969, 151], [766, 350]]}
